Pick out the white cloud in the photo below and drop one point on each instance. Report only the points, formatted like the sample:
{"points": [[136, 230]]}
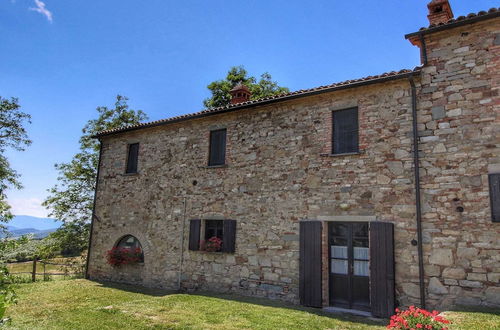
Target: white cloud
{"points": [[40, 8], [28, 206]]}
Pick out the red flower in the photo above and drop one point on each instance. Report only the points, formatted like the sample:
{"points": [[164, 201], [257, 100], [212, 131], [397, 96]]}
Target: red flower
{"points": [[122, 256], [213, 244]]}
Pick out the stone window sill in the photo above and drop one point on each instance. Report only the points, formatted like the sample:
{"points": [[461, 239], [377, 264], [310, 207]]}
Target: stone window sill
{"points": [[215, 166], [131, 174], [341, 155]]}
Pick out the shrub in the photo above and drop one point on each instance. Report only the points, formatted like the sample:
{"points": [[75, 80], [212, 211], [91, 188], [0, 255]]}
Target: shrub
{"points": [[7, 294], [118, 256], [416, 318], [213, 244]]}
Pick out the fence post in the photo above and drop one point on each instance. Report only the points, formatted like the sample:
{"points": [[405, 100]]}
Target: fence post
{"points": [[33, 275], [44, 276]]}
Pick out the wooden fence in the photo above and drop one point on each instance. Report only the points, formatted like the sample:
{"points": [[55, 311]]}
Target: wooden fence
{"points": [[36, 270]]}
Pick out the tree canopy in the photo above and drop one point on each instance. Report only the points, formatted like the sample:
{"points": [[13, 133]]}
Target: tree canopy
{"points": [[263, 87], [12, 135]]}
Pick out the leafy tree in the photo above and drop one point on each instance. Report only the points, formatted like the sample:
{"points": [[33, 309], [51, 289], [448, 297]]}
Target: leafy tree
{"points": [[7, 294], [71, 200], [12, 135], [237, 74]]}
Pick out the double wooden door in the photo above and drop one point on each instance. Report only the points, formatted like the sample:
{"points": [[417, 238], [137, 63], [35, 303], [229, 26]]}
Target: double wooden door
{"points": [[349, 269]]}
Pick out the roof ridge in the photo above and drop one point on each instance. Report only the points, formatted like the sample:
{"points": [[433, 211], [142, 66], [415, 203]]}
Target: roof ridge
{"points": [[278, 97], [471, 17]]}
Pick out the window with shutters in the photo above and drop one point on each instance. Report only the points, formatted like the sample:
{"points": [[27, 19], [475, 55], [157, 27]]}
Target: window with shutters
{"points": [[217, 148], [345, 131], [132, 158], [221, 231], [494, 181]]}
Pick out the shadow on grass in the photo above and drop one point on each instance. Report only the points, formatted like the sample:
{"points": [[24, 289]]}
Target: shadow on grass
{"points": [[155, 292], [282, 304], [244, 299], [477, 309]]}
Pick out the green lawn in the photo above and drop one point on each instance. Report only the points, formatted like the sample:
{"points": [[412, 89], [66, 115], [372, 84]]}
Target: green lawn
{"points": [[82, 304]]}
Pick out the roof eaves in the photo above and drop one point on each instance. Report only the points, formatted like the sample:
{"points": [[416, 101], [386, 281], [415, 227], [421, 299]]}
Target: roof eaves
{"points": [[272, 99], [456, 22]]}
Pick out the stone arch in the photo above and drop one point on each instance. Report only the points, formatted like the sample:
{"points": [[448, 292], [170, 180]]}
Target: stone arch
{"points": [[120, 234], [130, 241]]}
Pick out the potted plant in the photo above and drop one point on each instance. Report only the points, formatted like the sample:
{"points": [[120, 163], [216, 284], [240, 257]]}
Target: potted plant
{"points": [[213, 244], [118, 256]]}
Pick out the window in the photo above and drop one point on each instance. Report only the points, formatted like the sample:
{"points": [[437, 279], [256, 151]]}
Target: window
{"points": [[345, 131], [222, 229], [133, 155], [494, 180], [217, 150], [132, 243], [214, 228]]}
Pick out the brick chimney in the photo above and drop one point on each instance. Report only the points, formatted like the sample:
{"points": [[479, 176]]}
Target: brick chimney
{"points": [[240, 93], [439, 12]]}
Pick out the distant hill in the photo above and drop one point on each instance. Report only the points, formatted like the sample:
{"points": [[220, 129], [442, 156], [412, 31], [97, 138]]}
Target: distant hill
{"points": [[26, 221], [25, 224], [17, 232]]}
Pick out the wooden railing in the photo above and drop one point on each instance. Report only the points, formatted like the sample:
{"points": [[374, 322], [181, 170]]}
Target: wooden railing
{"points": [[46, 273]]}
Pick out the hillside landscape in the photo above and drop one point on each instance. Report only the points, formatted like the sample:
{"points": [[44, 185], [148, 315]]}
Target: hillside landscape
{"points": [[25, 224]]}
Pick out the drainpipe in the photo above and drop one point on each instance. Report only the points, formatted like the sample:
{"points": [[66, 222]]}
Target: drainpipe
{"points": [[93, 211], [182, 247], [418, 202]]}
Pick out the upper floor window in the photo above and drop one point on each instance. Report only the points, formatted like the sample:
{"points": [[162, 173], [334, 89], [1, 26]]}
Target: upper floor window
{"points": [[217, 149], [345, 131], [132, 158]]}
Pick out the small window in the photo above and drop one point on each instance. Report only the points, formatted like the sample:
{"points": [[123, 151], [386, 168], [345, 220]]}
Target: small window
{"points": [[345, 131], [217, 150], [132, 158], [494, 181], [132, 243], [224, 230]]}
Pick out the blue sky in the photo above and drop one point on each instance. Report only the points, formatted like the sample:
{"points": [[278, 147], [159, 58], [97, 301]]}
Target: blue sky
{"points": [[64, 58]]}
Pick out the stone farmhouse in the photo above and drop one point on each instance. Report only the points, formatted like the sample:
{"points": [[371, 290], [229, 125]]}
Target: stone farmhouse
{"points": [[363, 195]]}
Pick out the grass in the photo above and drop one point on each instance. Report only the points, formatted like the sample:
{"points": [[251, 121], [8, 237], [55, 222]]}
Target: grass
{"points": [[82, 304]]}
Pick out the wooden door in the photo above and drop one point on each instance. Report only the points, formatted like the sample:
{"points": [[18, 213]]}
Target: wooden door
{"points": [[310, 290], [349, 269]]}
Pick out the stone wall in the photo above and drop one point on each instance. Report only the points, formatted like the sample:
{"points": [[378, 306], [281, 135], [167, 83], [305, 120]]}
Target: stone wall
{"points": [[279, 171], [459, 121]]}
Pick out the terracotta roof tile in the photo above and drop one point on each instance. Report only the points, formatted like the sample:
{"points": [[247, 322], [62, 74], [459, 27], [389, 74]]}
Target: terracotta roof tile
{"points": [[493, 12], [276, 98]]}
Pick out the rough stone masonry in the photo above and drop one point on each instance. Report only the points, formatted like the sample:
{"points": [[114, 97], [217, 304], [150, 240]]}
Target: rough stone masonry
{"points": [[280, 170]]}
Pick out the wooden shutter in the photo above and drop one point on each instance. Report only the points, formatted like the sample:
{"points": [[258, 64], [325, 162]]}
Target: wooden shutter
{"points": [[229, 237], [345, 131], [382, 268], [194, 235], [494, 180], [217, 148], [133, 155], [310, 290]]}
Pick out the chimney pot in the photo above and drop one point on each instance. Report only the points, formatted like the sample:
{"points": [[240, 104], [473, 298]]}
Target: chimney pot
{"points": [[240, 93], [439, 12]]}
